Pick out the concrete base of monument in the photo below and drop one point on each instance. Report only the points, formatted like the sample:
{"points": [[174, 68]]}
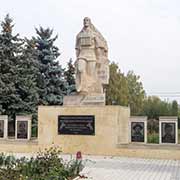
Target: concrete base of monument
{"points": [[84, 100], [90, 129]]}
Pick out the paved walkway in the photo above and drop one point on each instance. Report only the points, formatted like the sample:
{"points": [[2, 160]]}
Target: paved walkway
{"points": [[101, 168], [122, 168]]}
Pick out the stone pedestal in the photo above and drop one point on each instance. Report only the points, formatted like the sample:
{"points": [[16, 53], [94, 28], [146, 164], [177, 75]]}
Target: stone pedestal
{"points": [[168, 130], [89, 129], [23, 127], [84, 100], [138, 129], [3, 126]]}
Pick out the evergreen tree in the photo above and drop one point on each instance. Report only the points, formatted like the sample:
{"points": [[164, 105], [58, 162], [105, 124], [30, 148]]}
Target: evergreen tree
{"points": [[51, 84], [10, 55], [69, 76], [27, 75]]}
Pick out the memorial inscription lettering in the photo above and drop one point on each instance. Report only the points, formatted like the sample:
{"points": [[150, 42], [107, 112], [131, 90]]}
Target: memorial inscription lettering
{"points": [[137, 131], [76, 125], [168, 133]]}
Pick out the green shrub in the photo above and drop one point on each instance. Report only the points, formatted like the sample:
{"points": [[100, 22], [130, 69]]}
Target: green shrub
{"points": [[47, 165], [153, 138]]}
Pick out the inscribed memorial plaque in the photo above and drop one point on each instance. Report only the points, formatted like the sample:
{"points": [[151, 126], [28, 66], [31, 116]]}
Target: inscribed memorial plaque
{"points": [[168, 132], [22, 129], [137, 131], [76, 125]]}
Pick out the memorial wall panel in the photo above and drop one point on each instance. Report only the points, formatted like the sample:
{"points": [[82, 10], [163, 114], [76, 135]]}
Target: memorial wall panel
{"points": [[76, 125]]}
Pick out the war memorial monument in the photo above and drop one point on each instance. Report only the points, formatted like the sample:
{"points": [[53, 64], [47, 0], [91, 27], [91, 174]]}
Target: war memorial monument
{"points": [[84, 123]]}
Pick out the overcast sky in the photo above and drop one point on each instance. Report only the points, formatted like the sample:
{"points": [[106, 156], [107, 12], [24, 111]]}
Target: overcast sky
{"points": [[142, 35]]}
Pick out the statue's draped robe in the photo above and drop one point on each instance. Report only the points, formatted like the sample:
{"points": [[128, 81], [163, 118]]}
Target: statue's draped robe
{"points": [[91, 51]]}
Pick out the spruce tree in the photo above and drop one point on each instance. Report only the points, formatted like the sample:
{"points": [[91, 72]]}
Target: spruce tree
{"points": [[51, 84], [27, 74], [10, 54], [18, 74], [27, 83], [69, 76]]}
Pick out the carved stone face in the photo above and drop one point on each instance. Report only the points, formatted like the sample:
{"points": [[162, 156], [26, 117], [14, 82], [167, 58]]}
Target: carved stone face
{"points": [[86, 22]]}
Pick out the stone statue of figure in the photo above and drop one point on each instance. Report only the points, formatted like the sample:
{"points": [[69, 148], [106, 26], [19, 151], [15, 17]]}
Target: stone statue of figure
{"points": [[92, 64]]}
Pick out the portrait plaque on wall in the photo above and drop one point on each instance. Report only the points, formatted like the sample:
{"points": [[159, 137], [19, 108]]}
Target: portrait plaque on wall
{"points": [[76, 125], [168, 132], [137, 131], [22, 129], [1, 128]]}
